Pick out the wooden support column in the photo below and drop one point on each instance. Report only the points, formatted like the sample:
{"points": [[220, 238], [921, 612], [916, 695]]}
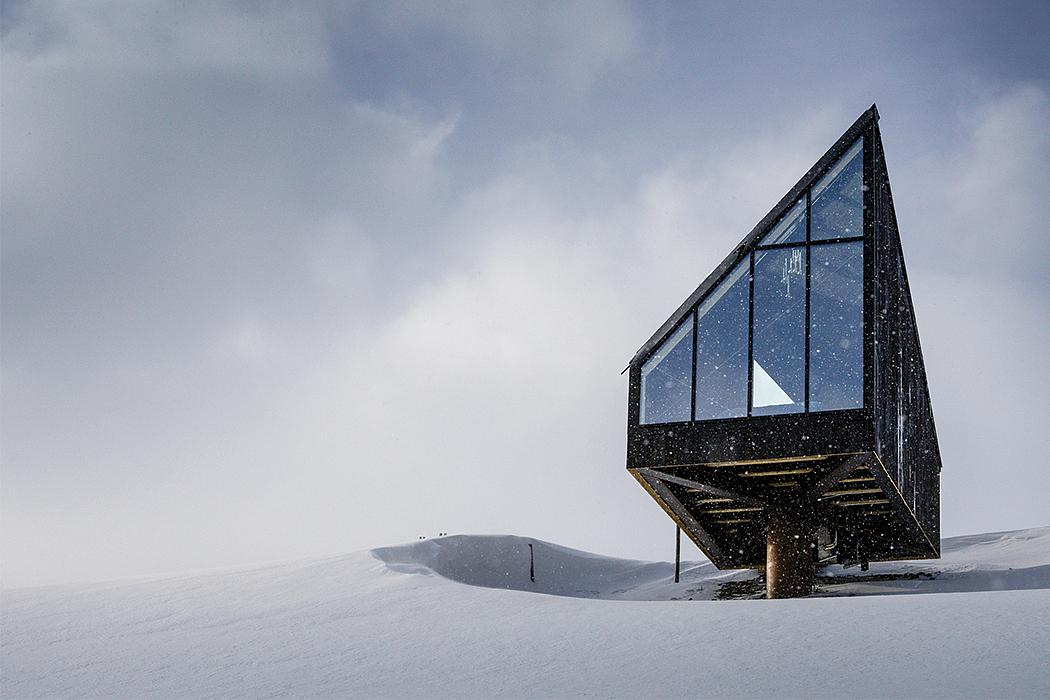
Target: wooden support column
{"points": [[789, 555]]}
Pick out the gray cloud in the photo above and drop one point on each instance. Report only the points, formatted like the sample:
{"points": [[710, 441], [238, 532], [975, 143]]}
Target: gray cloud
{"points": [[288, 279]]}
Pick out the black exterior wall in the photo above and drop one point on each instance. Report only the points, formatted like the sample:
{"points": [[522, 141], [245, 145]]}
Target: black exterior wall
{"points": [[905, 433], [864, 480]]}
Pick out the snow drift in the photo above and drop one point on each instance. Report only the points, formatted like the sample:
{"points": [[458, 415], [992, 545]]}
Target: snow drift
{"points": [[998, 561], [399, 622]]}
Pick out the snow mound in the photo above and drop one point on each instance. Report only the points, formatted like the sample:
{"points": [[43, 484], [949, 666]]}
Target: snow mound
{"points": [[523, 564], [995, 561], [998, 561], [399, 622]]}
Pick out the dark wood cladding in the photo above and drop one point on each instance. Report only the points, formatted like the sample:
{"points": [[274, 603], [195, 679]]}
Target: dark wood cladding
{"points": [[766, 438], [904, 425]]}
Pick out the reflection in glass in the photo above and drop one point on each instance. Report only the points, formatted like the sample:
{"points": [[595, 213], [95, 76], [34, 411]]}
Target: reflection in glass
{"points": [[837, 200], [836, 359], [667, 378], [791, 228], [765, 389], [721, 348], [779, 341]]}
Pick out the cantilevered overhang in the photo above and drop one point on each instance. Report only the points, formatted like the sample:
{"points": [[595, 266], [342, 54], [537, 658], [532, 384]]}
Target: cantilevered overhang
{"points": [[723, 507]]}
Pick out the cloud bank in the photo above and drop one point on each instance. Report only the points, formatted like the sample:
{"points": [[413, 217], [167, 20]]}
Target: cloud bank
{"points": [[285, 279]]}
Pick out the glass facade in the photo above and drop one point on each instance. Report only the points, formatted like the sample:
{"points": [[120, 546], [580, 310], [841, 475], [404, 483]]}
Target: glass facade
{"points": [[837, 204], [791, 228], [778, 331], [836, 325], [721, 348], [783, 332], [667, 378]]}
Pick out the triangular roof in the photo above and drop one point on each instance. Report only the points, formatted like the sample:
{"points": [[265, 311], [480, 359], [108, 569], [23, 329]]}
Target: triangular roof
{"points": [[787, 201]]}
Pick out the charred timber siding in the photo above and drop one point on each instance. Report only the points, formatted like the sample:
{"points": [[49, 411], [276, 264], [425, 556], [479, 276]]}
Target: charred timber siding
{"points": [[750, 439], [905, 429]]}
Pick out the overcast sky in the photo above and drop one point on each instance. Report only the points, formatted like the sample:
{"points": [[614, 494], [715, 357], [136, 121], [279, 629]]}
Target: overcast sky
{"points": [[293, 278]]}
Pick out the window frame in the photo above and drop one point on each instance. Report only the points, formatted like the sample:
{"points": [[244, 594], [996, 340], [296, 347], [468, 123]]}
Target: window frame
{"points": [[747, 252]]}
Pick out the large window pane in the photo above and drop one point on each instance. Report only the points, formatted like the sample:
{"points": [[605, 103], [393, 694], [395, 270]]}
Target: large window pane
{"points": [[791, 228], [837, 200], [836, 350], [779, 343], [667, 379], [721, 348]]}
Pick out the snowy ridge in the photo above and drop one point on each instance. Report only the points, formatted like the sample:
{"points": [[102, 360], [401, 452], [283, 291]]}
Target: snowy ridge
{"points": [[398, 622], [508, 562], [995, 561]]}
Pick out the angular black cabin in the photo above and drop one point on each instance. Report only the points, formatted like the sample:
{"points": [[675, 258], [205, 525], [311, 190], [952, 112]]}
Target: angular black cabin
{"points": [[790, 384]]}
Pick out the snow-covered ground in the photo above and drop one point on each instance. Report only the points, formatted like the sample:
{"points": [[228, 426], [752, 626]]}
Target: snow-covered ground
{"points": [[460, 617]]}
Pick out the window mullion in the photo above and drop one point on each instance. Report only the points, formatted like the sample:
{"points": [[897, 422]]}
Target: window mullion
{"points": [[751, 333], [809, 220]]}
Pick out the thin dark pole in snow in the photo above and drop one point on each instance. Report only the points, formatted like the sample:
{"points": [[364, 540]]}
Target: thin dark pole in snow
{"points": [[677, 551], [532, 564]]}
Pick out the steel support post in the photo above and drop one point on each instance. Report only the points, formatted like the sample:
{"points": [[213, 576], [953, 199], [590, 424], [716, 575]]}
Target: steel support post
{"points": [[677, 552]]}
